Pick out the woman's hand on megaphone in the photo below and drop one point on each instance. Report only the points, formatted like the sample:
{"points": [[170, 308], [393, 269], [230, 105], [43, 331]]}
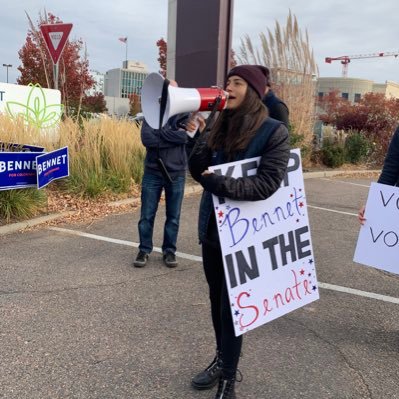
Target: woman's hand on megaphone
{"points": [[195, 122]]}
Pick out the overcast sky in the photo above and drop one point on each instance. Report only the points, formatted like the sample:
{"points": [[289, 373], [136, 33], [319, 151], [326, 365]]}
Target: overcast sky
{"points": [[335, 28]]}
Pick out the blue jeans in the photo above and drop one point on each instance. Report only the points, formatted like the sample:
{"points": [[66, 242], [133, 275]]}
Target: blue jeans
{"points": [[151, 190]]}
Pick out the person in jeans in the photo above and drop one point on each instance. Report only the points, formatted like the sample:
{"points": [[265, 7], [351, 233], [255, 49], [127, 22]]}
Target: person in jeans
{"points": [[242, 131], [168, 144]]}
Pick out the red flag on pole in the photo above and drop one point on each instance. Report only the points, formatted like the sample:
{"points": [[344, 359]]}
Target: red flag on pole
{"points": [[123, 39]]}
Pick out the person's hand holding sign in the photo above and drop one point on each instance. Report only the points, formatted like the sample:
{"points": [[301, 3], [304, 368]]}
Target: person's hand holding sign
{"points": [[360, 215]]}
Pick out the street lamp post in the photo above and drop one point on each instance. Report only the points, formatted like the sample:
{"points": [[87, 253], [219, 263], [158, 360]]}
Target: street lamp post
{"points": [[7, 66]]}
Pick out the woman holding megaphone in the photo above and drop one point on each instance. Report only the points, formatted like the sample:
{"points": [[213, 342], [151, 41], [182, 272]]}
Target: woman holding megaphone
{"points": [[243, 130]]}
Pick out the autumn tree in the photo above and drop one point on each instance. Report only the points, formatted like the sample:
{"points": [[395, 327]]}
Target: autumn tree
{"points": [[331, 106], [37, 67], [374, 116], [94, 103], [134, 104], [162, 51]]}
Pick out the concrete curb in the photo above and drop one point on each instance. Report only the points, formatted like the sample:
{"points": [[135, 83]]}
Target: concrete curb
{"points": [[14, 227], [189, 190], [330, 173]]}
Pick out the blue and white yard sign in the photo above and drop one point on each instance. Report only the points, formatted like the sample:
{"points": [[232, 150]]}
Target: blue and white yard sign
{"points": [[52, 166], [267, 249], [18, 170]]}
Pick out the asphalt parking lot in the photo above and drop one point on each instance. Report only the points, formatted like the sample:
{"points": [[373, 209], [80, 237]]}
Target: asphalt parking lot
{"points": [[78, 321]]}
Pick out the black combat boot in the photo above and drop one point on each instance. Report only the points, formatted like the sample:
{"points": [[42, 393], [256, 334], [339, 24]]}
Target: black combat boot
{"points": [[209, 377]]}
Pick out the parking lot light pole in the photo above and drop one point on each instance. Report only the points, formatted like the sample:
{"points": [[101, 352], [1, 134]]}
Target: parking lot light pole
{"points": [[7, 66]]}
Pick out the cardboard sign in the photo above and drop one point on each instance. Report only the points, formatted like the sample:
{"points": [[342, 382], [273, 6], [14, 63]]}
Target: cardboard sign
{"points": [[378, 242], [267, 249]]}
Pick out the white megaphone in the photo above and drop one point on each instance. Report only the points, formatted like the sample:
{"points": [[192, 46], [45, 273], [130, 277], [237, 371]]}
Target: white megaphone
{"points": [[180, 100]]}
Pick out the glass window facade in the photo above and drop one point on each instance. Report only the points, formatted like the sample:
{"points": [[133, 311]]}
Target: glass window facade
{"points": [[131, 82]]}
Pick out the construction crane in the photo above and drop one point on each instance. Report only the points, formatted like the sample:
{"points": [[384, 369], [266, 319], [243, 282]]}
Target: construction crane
{"points": [[346, 59]]}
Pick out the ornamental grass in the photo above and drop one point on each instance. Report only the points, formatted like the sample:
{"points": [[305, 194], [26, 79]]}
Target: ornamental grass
{"points": [[106, 156]]}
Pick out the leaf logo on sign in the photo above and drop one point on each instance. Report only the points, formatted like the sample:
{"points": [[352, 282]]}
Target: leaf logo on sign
{"points": [[36, 112]]}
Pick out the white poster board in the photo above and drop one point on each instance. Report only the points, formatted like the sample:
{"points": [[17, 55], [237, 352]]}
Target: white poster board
{"points": [[267, 249], [378, 242]]}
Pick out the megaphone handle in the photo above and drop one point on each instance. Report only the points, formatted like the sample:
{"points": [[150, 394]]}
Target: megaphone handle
{"points": [[207, 123], [164, 98], [213, 112]]}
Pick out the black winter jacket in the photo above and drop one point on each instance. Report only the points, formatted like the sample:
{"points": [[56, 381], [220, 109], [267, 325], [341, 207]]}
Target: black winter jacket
{"points": [[390, 171], [171, 141], [270, 143], [277, 108]]}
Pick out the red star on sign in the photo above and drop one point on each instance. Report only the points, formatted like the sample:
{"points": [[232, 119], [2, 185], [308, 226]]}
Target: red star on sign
{"points": [[220, 214], [302, 272], [301, 204]]}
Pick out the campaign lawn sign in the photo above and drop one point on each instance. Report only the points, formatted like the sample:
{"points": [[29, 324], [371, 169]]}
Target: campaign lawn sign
{"points": [[14, 147], [267, 248], [25, 166], [378, 242], [52, 166], [17, 170]]}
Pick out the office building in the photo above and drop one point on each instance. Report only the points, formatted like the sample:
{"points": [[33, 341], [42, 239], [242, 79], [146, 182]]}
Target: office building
{"points": [[354, 89]]}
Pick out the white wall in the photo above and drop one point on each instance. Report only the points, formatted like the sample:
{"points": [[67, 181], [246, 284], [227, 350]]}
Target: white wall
{"points": [[117, 106]]}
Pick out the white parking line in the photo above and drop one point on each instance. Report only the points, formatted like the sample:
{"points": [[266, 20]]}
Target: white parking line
{"points": [[325, 286], [345, 182], [365, 294], [121, 242], [331, 210]]}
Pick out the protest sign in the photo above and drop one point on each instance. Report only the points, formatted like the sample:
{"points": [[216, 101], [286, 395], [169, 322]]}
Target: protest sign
{"points": [[52, 166], [378, 242], [267, 249]]}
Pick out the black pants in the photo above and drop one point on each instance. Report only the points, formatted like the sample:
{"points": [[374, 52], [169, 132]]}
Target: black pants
{"points": [[227, 343]]}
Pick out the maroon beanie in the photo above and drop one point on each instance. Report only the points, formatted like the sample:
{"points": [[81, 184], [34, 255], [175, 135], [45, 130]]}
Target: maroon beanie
{"points": [[257, 76]]}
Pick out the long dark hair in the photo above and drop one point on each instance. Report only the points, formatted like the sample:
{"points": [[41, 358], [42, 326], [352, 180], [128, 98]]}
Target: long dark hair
{"points": [[235, 128]]}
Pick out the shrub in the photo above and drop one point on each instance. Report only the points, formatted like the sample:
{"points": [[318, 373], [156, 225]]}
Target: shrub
{"points": [[332, 154], [296, 140], [21, 203], [105, 155], [357, 147]]}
